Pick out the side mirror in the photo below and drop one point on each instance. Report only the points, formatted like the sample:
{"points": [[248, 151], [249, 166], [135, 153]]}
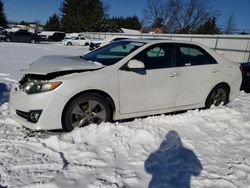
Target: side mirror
{"points": [[135, 64]]}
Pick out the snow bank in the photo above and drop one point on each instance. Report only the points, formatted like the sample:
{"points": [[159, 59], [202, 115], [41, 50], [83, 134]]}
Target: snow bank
{"points": [[120, 154]]}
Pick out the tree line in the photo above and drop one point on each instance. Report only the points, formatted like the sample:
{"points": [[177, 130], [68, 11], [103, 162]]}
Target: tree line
{"points": [[171, 16], [88, 15], [3, 20]]}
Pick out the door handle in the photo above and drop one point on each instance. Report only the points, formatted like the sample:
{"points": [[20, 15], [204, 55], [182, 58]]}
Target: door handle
{"points": [[173, 74], [215, 70]]}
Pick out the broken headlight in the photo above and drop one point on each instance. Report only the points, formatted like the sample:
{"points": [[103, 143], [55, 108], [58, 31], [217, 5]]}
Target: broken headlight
{"points": [[35, 86]]}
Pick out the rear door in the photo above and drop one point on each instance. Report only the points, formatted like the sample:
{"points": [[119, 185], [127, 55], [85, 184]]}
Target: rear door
{"points": [[27, 36], [153, 88], [199, 71]]}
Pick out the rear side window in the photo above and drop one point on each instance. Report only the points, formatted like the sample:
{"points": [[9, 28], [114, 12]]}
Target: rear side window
{"points": [[191, 55]]}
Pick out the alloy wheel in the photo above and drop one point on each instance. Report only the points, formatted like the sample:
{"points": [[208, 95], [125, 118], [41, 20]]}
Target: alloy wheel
{"points": [[218, 96], [87, 112]]}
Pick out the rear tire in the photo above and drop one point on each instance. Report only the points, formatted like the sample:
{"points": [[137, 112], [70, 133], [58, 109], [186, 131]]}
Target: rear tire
{"points": [[8, 40], [219, 95], [85, 110], [33, 41], [69, 44]]}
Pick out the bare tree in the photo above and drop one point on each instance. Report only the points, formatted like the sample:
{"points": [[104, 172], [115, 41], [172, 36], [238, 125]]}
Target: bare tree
{"points": [[230, 26], [156, 10], [183, 16]]}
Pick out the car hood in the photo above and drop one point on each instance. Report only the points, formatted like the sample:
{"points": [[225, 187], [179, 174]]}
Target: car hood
{"points": [[51, 64]]}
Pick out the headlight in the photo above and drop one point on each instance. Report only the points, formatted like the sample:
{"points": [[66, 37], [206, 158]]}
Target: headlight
{"points": [[32, 87]]}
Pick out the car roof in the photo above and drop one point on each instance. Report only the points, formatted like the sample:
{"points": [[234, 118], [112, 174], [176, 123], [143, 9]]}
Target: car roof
{"points": [[161, 40], [49, 33]]}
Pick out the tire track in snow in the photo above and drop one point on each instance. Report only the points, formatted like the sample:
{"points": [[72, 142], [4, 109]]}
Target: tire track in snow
{"points": [[24, 160]]}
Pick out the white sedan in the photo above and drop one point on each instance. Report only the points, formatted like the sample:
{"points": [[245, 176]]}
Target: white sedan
{"points": [[76, 41], [124, 79]]}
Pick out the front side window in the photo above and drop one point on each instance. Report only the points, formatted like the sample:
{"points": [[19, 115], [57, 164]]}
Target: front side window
{"points": [[156, 52], [114, 52], [156, 57], [187, 55]]}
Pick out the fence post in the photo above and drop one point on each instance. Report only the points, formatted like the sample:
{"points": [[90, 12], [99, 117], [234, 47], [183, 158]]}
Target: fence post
{"points": [[248, 51], [216, 43]]}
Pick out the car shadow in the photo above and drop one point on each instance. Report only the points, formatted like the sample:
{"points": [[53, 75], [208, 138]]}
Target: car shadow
{"points": [[172, 165], [4, 93]]}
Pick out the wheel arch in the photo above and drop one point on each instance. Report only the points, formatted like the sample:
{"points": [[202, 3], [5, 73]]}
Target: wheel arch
{"points": [[223, 84], [96, 92]]}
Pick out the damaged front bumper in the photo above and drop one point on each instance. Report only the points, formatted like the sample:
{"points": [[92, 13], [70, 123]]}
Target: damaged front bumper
{"points": [[42, 111]]}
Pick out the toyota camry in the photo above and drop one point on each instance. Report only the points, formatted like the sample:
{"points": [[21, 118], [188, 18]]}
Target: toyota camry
{"points": [[125, 79]]}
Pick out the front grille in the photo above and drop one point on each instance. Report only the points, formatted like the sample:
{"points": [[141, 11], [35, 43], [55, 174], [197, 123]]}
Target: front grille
{"points": [[22, 114]]}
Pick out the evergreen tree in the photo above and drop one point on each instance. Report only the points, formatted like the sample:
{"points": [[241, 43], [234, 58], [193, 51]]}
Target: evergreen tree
{"points": [[131, 22], [53, 23], [209, 27], [82, 15], [3, 21]]}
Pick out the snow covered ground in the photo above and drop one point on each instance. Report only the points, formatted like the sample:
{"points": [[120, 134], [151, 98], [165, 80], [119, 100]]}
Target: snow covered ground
{"points": [[198, 149]]}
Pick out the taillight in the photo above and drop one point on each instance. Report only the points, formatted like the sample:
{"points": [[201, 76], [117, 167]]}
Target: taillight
{"points": [[243, 71]]}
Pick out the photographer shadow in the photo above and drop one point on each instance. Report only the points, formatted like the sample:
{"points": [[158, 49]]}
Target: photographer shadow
{"points": [[172, 165]]}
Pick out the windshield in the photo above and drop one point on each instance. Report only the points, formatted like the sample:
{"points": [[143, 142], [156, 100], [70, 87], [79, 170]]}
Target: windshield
{"points": [[112, 53]]}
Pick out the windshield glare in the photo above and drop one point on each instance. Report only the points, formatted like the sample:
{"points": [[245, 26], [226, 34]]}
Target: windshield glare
{"points": [[112, 53]]}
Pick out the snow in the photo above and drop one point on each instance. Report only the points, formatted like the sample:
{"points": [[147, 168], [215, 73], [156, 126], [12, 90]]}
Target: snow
{"points": [[198, 148], [131, 31], [48, 33]]}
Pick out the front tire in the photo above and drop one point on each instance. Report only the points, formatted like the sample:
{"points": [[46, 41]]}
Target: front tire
{"points": [[219, 95], [8, 39], [85, 110]]}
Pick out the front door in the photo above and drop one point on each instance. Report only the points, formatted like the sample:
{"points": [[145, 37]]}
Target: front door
{"points": [[155, 87]]}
